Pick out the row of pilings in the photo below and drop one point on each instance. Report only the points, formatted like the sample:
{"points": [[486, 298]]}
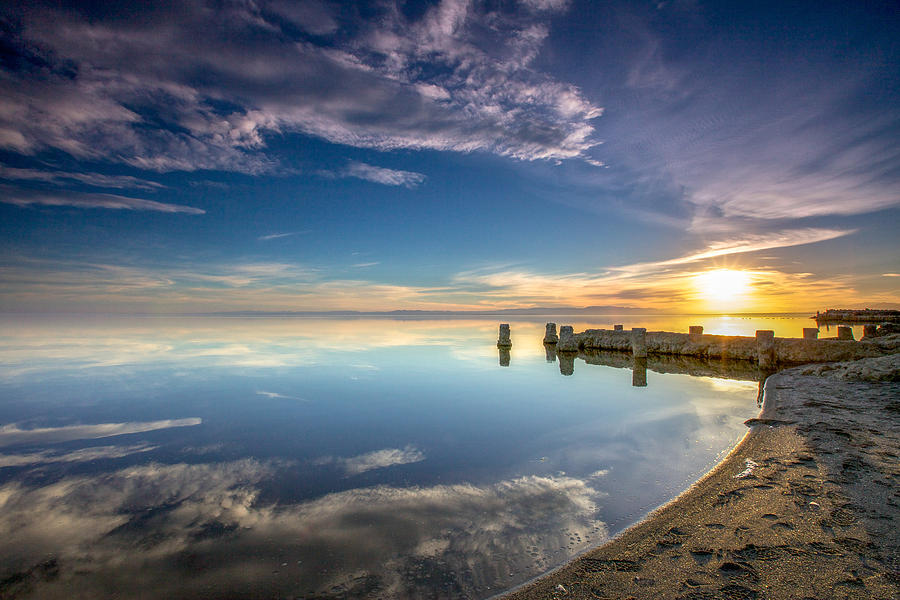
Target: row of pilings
{"points": [[764, 348]]}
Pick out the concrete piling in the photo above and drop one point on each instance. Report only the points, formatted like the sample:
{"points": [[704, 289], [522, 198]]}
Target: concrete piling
{"points": [[504, 341], [550, 336], [639, 342], [695, 329], [567, 341], [870, 331], [618, 327], [765, 348], [845, 332], [810, 333]]}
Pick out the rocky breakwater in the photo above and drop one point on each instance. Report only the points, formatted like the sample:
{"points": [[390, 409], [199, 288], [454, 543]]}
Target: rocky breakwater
{"points": [[733, 347], [844, 315]]}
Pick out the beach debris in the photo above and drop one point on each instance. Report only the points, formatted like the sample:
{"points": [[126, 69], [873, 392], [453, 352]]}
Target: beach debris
{"points": [[561, 590], [748, 471], [815, 505]]}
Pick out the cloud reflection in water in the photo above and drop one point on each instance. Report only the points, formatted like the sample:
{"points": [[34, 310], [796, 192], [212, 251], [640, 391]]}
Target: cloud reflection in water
{"points": [[165, 523]]}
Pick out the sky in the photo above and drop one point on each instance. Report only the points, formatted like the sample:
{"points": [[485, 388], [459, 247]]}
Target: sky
{"points": [[449, 155]]}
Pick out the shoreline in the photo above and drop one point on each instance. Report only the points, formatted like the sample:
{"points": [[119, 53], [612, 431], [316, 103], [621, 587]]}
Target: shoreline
{"points": [[807, 504]]}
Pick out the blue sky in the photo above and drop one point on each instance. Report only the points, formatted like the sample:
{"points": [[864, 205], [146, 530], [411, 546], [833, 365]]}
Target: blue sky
{"points": [[216, 156]]}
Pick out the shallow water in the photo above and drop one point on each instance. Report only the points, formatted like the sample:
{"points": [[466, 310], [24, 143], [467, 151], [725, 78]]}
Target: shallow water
{"points": [[151, 457]]}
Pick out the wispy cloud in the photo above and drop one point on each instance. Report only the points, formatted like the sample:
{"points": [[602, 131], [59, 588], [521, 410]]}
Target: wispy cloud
{"points": [[13, 434], [86, 200], [354, 82], [82, 455], [92, 179], [365, 264], [275, 236], [748, 243], [381, 175], [276, 395], [378, 459]]}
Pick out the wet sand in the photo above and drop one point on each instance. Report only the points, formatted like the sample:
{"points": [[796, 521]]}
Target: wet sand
{"points": [[806, 506]]}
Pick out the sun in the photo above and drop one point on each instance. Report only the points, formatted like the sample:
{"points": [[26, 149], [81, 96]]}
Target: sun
{"points": [[723, 288]]}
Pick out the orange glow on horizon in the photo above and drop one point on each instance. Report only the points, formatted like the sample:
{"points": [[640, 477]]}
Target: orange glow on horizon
{"points": [[724, 289]]}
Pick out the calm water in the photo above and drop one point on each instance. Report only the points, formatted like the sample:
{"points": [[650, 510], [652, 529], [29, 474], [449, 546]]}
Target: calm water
{"points": [[160, 458]]}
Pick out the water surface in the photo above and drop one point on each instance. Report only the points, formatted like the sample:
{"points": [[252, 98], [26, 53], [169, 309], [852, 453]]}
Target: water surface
{"points": [[193, 458]]}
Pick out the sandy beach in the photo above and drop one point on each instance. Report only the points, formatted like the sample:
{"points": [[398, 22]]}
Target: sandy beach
{"points": [[806, 506]]}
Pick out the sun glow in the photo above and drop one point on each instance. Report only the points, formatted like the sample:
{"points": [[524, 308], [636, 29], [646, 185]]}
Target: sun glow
{"points": [[724, 288]]}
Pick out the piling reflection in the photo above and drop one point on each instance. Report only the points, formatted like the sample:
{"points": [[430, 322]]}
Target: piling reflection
{"points": [[675, 364], [550, 352], [639, 372], [567, 362], [504, 356]]}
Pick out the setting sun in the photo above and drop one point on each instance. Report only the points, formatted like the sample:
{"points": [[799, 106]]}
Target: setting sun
{"points": [[723, 288]]}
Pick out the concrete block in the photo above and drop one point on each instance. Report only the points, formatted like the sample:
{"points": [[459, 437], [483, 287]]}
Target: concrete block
{"points": [[567, 341], [550, 336], [765, 348], [639, 342]]}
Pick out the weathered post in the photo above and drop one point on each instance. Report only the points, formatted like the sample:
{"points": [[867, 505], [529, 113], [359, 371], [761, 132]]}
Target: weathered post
{"points": [[639, 373], [567, 341], [765, 348], [870, 331], [845, 332], [695, 329], [504, 341], [566, 362], [618, 327], [810, 333], [550, 336], [639, 342]]}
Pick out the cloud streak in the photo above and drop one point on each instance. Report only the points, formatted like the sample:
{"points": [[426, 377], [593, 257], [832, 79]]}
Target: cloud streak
{"points": [[12, 434], [91, 179], [278, 236], [90, 201], [359, 170]]}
